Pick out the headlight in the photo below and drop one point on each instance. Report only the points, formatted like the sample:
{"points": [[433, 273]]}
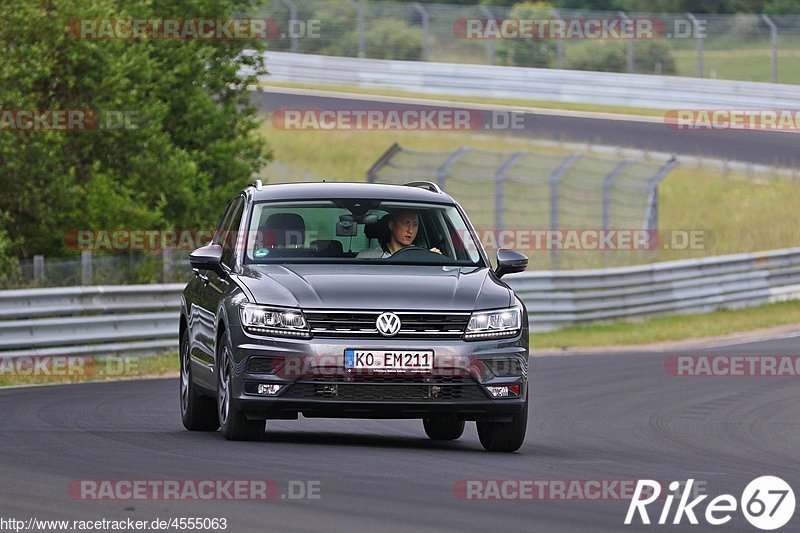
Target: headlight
{"points": [[274, 321], [489, 324]]}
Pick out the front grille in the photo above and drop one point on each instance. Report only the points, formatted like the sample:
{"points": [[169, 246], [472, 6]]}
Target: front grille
{"points": [[385, 392], [414, 325], [394, 378]]}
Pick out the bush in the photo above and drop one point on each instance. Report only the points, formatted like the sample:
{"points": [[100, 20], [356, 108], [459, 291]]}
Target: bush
{"points": [[393, 39], [192, 145], [612, 56], [528, 52], [648, 54], [601, 56]]}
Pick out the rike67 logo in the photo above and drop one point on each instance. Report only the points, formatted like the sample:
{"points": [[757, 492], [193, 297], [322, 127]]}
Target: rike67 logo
{"points": [[767, 503]]}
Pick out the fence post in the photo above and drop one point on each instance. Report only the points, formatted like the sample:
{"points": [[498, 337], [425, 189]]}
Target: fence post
{"points": [[608, 181], [489, 42], [38, 269], [86, 267], [166, 265], [359, 9], [629, 46], [773, 37], [442, 171], [555, 177], [499, 179], [699, 38], [426, 19], [372, 173], [651, 211], [292, 17], [559, 44]]}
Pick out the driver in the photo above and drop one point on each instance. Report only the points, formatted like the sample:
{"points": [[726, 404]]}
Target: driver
{"points": [[403, 228]]}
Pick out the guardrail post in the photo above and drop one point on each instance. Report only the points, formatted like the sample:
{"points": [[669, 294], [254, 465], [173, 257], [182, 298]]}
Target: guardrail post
{"points": [[699, 39], [86, 267], [426, 19], [773, 37], [292, 17], [555, 177], [628, 46], [38, 269], [359, 9], [489, 42], [441, 173], [499, 180]]}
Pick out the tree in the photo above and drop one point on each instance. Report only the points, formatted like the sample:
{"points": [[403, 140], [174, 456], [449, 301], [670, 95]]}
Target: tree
{"points": [[190, 145]]}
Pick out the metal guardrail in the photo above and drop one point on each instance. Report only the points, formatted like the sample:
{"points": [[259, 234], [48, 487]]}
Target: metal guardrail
{"points": [[100, 320], [144, 318], [641, 90], [565, 298]]}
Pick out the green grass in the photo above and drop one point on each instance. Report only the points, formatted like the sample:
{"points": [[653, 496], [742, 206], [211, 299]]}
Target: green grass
{"points": [[15, 372], [745, 65], [670, 328], [737, 213]]}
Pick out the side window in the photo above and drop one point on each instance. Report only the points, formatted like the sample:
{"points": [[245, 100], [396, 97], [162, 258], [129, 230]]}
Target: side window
{"points": [[231, 231]]}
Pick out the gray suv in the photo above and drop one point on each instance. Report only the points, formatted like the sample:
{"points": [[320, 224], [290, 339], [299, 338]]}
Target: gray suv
{"points": [[353, 300]]}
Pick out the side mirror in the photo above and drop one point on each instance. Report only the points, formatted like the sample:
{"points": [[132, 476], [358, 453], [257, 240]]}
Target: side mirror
{"points": [[509, 262], [208, 258]]}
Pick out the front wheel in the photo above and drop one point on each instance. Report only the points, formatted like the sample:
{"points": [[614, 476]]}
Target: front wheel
{"points": [[443, 428], [233, 422], [198, 412], [504, 436]]}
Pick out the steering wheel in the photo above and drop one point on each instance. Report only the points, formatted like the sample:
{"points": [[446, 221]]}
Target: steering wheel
{"points": [[423, 252]]}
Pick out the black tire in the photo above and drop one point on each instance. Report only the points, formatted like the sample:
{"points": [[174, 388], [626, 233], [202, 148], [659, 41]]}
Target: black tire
{"points": [[233, 422], [198, 412], [443, 428], [504, 436]]}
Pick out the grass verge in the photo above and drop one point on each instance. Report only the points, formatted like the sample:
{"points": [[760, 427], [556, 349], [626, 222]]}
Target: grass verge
{"points": [[531, 103], [734, 212], [670, 328], [69, 369]]}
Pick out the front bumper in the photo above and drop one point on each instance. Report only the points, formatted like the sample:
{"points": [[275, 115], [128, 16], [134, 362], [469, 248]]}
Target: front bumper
{"points": [[315, 383]]}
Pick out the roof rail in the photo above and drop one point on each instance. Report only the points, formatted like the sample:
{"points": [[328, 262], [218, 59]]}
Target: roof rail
{"points": [[257, 184], [429, 185]]}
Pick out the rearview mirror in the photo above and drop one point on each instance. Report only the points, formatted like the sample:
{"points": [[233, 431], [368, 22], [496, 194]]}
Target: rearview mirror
{"points": [[208, 258], [509, 262]]}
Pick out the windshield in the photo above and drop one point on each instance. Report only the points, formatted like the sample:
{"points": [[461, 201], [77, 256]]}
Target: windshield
{"points": [[359, 231]]}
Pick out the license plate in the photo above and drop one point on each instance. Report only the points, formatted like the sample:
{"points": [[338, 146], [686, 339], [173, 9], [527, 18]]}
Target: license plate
{"points": [[389, 360]]}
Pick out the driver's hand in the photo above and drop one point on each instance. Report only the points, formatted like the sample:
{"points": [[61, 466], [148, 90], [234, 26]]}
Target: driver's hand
{"points": [[436, 250]]}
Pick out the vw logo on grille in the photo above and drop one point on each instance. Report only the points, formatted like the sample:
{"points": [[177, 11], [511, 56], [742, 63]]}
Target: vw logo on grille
{"points": [[388, 324]]}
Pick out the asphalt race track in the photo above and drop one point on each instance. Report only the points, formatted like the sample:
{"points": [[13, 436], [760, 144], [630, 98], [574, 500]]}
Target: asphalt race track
{"points": [[761, 147], [603, 417]]}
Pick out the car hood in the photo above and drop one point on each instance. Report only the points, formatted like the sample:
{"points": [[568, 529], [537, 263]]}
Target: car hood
{"points": [[395, 287]]}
